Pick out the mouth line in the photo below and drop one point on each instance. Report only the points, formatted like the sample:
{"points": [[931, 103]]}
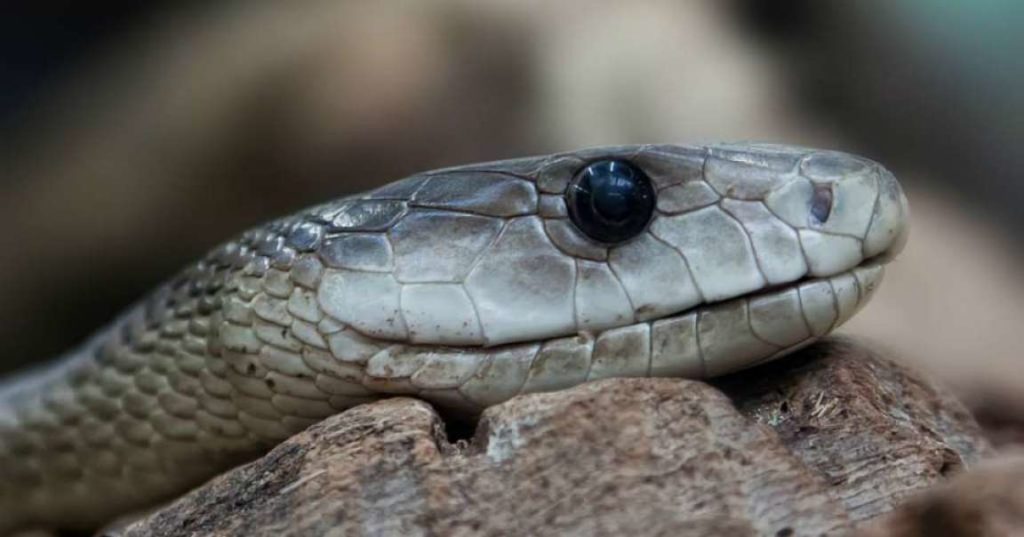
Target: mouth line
{"points": [[871, 262], [698, 309]]}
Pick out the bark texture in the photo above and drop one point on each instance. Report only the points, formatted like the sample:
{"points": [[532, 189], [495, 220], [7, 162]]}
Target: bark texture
{"points": [[815, 444]]}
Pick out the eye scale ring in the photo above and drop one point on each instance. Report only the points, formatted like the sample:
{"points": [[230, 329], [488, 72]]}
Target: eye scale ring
{"points": [[610, 200]]}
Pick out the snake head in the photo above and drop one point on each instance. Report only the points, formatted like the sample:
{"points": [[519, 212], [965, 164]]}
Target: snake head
{"points": [[536, 248]]}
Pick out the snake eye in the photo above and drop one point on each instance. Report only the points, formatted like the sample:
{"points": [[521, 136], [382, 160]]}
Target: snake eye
{"points": [[610, 200]]}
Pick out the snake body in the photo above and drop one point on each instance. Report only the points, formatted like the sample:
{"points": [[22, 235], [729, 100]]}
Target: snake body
{"points": [[465, 287]]}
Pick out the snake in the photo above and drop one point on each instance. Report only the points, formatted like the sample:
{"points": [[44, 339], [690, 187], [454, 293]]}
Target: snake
{"points": [[464, 287]]}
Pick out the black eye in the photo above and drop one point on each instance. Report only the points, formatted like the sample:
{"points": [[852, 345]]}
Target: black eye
{"points": [[610, 200]]}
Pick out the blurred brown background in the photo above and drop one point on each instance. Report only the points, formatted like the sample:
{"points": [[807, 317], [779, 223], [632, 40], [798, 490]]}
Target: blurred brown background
{"points": [[137, 137]]}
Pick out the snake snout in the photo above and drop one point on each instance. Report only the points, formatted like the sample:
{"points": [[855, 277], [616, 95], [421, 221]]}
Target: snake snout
{"points": [[890, 221], [845, 209]]}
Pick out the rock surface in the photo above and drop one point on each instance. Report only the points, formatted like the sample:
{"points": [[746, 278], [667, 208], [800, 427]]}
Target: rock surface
{"points": [[814, 444]]}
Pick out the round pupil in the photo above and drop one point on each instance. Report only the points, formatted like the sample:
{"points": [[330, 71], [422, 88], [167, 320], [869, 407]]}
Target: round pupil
{"points": [[613, 189], [610, 200]]}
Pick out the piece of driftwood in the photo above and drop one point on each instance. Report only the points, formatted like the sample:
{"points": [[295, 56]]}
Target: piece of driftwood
{"points": [[815, 444], [986, 502]]}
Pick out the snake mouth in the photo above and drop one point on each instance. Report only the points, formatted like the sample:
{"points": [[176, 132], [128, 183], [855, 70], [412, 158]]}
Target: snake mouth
{"points": [[883, 258], [875, 262], [744, 331], [707, 341]]}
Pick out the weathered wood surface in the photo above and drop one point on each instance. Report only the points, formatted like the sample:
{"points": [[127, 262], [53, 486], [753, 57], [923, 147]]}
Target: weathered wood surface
{"points": [[815, 444], [987, 501]]}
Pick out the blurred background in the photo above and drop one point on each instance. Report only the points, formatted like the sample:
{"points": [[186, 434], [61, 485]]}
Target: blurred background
{"points": [[136, 137]]}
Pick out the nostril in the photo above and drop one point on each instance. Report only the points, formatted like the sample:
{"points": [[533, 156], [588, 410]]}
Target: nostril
{"points": [[821, 203]]}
